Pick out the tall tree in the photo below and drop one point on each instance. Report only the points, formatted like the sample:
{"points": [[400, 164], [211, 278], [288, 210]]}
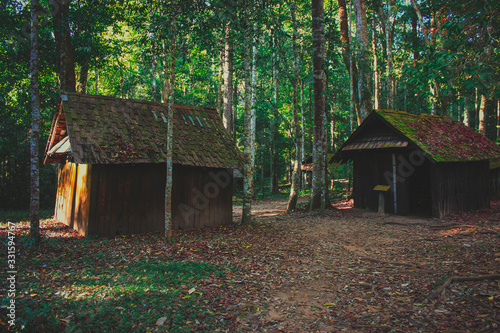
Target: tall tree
{"points": [[318, 195], [64, 47], [376, 81], [273, 186], [169, 93], [152, 33], [363, 55], [35, 127], [228, 81], [350, 64], [386, 13], [249, 130], [298, 139], [430, 42]]}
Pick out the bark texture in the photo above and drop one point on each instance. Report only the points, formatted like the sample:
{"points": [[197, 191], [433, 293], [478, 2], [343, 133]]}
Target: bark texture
{"points": [[274, 121], [169, 94], [35, 127], [363, 56], [294, 190], [64, 48], [248, 169], [347, 56], [319, 151], [228, 83], [387, 21]]}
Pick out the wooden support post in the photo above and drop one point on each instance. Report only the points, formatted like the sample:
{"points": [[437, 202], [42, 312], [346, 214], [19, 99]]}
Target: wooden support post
{"points": [[381, 203], [381, 189]]}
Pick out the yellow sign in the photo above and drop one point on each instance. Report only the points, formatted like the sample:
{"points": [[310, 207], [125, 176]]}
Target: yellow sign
{"points": [[383, 188]]}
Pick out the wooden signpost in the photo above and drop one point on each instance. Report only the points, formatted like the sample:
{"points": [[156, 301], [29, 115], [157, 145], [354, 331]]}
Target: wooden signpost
{"points": [[381, 197]]}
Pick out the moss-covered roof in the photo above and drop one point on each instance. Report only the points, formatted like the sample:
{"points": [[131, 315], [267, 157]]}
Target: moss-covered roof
{"points": [[443, 139], [106, 130]]}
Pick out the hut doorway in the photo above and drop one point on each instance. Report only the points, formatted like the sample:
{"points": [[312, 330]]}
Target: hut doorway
{"points": [[420, 195]]}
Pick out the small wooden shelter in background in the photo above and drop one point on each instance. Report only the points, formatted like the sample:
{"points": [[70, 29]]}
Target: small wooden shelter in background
{"points": [[433, 165], [113, 171], [307, 170]]}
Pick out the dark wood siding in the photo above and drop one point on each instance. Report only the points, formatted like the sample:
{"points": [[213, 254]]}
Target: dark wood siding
{"points": [[110, 200], [495, 182], [459, 187], [370, 169], [129, 199], [202, 197], [436, 189]]}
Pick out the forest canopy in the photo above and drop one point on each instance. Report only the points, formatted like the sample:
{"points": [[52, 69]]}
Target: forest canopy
{"points": [[437, 57]]}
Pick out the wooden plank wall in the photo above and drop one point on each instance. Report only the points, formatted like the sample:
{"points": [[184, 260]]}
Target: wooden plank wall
{"points": [[495, 182], [202, 197], [109, 200], [73, 196], [65, 193], [461, 186], [127, 199]]}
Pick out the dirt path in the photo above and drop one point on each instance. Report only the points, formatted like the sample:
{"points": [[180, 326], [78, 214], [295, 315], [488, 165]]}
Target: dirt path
{"points": [[347, 270], [356, 271]]}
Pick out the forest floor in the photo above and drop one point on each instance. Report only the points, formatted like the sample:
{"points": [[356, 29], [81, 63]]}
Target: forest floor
{"points": [[357, 271], [347, 270]]}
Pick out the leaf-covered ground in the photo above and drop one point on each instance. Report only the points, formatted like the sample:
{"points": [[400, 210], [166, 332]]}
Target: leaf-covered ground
{"points": [[347, 270]]}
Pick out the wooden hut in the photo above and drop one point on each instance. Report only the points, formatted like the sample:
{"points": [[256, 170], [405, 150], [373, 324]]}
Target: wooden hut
{"points": [[112, 166], [307, 170], [424, 165]]}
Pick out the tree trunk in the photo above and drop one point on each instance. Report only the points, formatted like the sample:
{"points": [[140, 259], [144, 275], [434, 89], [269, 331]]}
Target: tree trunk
{"points": [[274, 121], [234, 108], [414, 38], [387, 21], [482, 115], [363, 55], [169, 145], [498, 119], [430, 43], [318, 33], [166, 67], [294, 190], [376, 92], [253, 115], [347, 56], [248, 169], [64, 48], [35, 127], [389, 38], [153, 54], [310, 121], [84, 75], [220, 80], [153, 76], [489, 118], [169, 93], [228, 83], [302, 148], [96, 80], [468, 110]]}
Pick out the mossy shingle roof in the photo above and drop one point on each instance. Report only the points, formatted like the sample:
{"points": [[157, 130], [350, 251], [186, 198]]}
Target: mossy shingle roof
{"points": [[106, 130], [440, 138]]}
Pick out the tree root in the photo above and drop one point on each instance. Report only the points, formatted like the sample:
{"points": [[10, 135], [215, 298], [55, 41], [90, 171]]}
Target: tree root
{"points": [[453, 279]]}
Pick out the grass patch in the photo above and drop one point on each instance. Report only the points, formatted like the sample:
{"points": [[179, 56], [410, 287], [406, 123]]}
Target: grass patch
{"points": [[111, 285]]}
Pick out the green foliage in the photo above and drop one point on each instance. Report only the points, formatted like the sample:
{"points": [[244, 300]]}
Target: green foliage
{"points": [[120, 47], [106, 296]]}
